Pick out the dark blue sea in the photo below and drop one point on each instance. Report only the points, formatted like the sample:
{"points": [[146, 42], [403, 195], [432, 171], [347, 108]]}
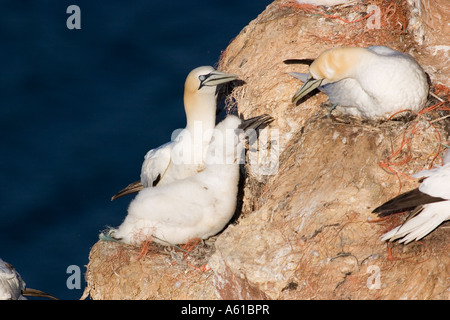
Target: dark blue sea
{"points": [[81, 107]]}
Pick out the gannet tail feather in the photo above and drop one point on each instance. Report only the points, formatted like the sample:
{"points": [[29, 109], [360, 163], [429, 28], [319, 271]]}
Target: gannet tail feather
{"points": [[419, 226], [405, 202]]}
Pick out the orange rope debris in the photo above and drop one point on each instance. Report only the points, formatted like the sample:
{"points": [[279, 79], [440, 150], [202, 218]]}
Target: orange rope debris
{"points": [[318, 10], [388, 163]]}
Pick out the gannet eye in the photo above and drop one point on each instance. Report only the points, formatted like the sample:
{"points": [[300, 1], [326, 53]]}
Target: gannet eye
{"points": [[202, 78]]}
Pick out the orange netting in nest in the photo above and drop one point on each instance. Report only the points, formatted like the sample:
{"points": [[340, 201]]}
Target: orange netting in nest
{"points": [[309, 8], [392, 163], [386, 19], [148, 246], [390, 13]]}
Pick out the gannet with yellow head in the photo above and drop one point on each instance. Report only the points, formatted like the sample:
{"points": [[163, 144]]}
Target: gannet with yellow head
{"points": [[371, 83], [184, 155], [198, 206], [430, 203]]}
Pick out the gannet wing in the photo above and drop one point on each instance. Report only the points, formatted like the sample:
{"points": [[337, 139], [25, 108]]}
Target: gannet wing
{"points": [[405, 202], [435, 188], [155, 165], [11, 284], [437, 183], [423, 223], [12, 287], [384, 51]]}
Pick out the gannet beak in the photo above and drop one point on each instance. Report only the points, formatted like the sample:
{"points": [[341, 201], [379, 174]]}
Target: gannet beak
{"points": [[131, 188], [215, 78], [306, 88], [256, 122], [37, 293]]}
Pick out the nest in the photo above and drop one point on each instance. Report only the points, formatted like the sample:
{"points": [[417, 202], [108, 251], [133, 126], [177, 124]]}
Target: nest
{"points": [[150, 271]]}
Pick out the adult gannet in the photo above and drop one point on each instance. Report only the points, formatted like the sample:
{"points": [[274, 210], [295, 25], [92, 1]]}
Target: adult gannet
{"points": [[198, 206], [371, 83], [12, 287], [184, 155], [430, 202]]}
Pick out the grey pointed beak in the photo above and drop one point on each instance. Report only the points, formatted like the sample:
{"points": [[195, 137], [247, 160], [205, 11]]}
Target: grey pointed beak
{"points": [[306, 88], [215, 78]]}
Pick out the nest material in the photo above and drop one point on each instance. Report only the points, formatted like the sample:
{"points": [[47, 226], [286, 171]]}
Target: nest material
{"points": [[119, 271], [307, 232]]}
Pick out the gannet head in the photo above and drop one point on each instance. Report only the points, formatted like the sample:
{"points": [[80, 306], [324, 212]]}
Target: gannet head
{"points": [[206, 79], [200, 94], [330, 66]]}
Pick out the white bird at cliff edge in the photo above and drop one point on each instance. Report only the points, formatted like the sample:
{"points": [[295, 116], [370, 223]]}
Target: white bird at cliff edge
{"points": [[184, 155], [195, 207], [371, 83], [12, 287], [430, 202]]}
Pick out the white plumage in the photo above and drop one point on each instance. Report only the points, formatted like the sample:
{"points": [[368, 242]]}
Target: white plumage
{"points": [[195, 207], [184, 155], [433, 195], [12, 287], [11, 283], [371, 83]]}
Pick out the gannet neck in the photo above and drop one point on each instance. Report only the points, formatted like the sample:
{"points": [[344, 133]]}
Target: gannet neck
{"points": [[200, 107], [338, 63]]}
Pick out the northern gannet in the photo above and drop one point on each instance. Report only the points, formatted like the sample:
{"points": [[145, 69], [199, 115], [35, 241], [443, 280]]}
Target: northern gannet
{"points": [[184, 155], [12, 287], [430, 202], [199, 206], [371, 83]]}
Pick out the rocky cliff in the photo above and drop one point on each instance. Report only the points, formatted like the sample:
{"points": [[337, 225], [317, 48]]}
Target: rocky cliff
{"points": [[304, 228]]}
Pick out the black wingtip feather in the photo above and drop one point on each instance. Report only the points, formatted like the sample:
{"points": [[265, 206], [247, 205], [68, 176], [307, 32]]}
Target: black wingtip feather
{"points": [[405, 202], [299, 61]]}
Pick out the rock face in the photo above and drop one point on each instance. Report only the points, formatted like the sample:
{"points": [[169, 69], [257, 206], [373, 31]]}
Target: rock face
{"points": [[429, 26], [305, 228]]}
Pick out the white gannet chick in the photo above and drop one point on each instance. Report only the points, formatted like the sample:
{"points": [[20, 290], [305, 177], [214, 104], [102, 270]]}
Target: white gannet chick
{"points": [[371, 83], [184, 155], [430, 202], [12, 287], [199, 206]]}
